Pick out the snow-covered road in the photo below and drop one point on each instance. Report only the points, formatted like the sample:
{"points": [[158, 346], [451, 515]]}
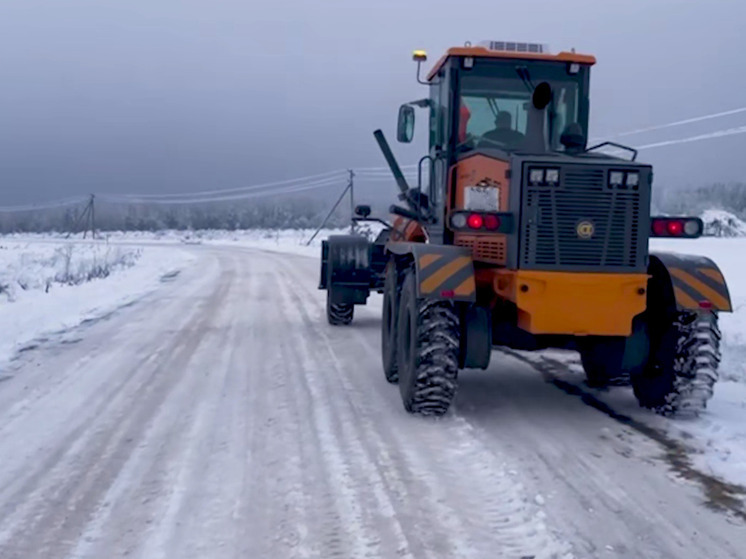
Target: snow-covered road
{"points": [[221, 417]]}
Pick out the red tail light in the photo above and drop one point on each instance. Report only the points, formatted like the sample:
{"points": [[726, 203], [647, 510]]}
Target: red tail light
{"points": [[482, 222], [475, 221], [659, 228], [683, 227], [675, 228], [491, 222]]}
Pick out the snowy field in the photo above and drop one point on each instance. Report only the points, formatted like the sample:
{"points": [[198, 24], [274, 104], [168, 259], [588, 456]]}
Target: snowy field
{"points": [[292, 241], [50, 287]]}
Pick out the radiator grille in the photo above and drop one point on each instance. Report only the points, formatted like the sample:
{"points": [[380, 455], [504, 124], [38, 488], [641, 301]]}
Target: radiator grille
{"points": [[485, 249], [552, 217]]}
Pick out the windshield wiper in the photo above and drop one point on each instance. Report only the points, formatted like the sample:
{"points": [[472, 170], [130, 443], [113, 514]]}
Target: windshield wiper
{"points": [[523, 73]]}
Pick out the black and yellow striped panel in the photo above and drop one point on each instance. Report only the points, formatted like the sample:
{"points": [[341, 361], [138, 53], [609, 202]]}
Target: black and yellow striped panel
{"points": [[696, 286], [446, 274]]}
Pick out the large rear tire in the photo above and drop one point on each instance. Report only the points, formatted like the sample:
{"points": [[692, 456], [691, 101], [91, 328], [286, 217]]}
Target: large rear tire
{"points": [[338, 314], [389, 319], [427, 351], [683, 368]]}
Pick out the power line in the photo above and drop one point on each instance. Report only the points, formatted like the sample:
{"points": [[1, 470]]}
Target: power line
{"points": [[44, 206], [246, 196], [210, 195], [331, 178], [374, 169], [288, 182], [407, 172], [387, 179], [675, 123], [700, 137]]}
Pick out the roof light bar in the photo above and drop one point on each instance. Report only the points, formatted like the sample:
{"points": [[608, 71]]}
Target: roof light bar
{"points": [[513, 46]]}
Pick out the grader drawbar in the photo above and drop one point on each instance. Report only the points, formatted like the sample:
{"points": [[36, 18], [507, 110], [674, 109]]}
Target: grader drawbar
{"points": [[524, 237]]}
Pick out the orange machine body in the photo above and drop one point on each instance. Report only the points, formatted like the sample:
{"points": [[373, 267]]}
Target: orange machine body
{"points": [[574, 303]]}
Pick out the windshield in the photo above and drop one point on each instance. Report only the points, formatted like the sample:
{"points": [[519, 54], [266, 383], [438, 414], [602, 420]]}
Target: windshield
{"points": [[495, 102]]}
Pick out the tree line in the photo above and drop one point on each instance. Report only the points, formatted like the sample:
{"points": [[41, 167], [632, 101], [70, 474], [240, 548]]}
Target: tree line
{"points": [[235, 215], [693, 201]]}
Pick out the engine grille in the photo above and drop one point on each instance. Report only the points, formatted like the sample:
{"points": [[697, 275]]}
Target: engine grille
{"points": [[485, 249], [555, 224]]}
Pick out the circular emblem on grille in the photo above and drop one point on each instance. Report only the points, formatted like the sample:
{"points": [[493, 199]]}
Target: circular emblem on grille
{"points": [[585, 229]]}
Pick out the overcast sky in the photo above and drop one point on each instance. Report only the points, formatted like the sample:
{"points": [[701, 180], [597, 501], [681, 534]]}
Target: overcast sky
{"points": [[179, 95]]}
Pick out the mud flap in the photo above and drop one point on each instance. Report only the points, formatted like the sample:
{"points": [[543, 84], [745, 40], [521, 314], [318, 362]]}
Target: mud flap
{"points": [[443, 272], [695, 282]]}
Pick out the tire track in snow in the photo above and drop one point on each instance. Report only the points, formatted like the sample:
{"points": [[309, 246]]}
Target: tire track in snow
{"points": [[186, 466], [720, 495], [273, 500], [142, 481], [74, 476], [500, 518], [134, 505], [351, 482], [93, 461]]}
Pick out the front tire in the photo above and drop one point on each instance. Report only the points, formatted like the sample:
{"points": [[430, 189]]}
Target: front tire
{"points": [[338, 314], [683, 369], [427, 351]]}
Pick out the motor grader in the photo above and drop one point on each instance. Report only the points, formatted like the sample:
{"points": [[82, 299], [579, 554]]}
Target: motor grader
{"points": [[522, 236]]}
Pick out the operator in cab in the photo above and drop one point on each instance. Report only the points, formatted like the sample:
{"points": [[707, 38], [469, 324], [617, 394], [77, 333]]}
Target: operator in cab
{"points": [[503, 136]]}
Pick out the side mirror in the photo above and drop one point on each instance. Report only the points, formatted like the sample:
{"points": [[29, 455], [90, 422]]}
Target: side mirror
{"points": [[405, 126]]}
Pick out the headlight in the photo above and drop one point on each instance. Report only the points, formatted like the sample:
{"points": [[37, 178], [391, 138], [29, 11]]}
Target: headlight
{"points": [[536, 176], [633, 179], [458, 221], [692, 228], [616, 178], [552, 176]]}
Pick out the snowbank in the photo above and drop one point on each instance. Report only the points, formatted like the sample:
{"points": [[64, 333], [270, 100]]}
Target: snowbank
{"points": [[51, 287], [25, 267], [286, 241], [292, 241], [720, 223]]}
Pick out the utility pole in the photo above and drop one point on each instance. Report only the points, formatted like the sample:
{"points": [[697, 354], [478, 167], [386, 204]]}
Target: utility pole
{"points": [[93, 216], [334, 207], [87, 215]]}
